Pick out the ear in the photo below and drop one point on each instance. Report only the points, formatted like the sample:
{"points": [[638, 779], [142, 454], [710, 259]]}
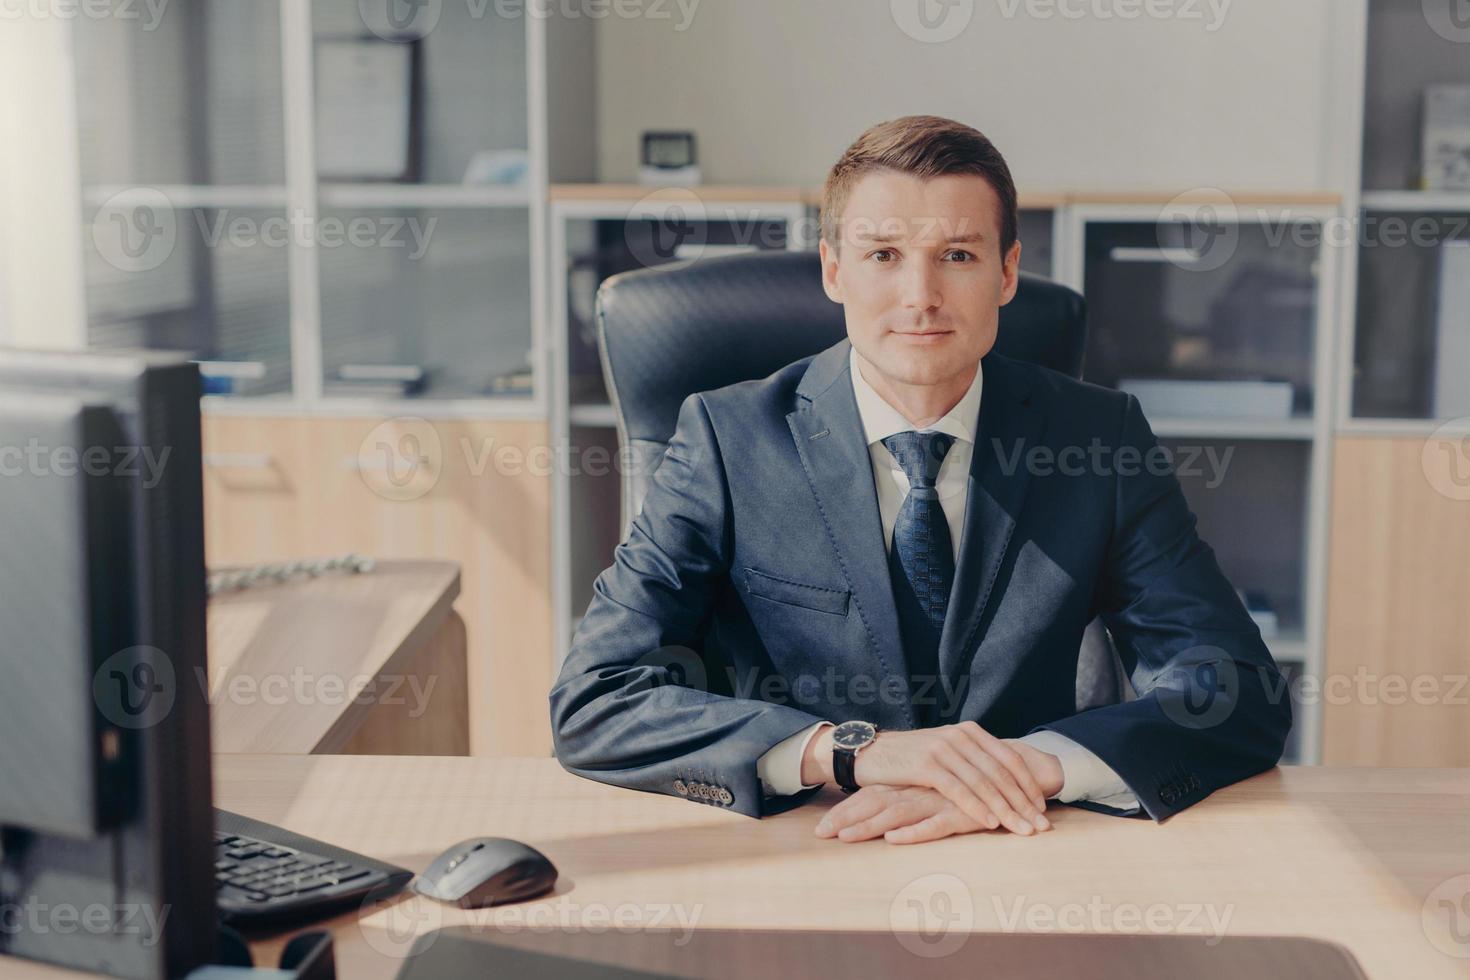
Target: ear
{"points": [[829, 271], [1010, 273]]}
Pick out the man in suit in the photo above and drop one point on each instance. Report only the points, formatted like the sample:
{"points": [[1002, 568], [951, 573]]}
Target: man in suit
{"points": [[875, 566]]}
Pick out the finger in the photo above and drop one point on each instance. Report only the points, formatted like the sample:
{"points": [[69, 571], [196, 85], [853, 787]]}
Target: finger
{"points": [[857, 807], [1011, 759], [959, 792], [1004, 781], [940, 825], [983, 787], [899, 813]]}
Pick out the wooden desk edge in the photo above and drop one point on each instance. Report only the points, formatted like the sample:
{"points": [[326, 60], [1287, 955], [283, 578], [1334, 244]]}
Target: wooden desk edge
{"points": [[413, 641]]}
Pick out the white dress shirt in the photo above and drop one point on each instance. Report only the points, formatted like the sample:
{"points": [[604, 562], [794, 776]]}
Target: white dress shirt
{"points": [[1084, 775]]}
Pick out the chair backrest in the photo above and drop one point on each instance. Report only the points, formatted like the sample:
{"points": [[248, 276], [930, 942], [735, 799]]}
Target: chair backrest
{"points": [[668, 332]]}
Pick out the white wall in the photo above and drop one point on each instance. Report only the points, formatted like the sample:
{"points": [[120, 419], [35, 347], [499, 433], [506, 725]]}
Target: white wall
{"points": [[40, 212], [776, 89]]}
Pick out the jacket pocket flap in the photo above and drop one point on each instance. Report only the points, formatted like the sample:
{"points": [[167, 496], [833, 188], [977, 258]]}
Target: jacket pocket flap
{"points": [[815, 597]]}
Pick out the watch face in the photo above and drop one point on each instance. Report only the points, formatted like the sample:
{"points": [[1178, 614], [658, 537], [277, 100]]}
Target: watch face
{"points": [[853, 734]]}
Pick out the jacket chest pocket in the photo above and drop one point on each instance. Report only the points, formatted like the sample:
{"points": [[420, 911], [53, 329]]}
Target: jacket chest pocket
{"points": [[814, 597]]}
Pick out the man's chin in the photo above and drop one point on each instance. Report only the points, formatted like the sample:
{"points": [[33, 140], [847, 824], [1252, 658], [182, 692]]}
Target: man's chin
{"points": [[925, 365]]}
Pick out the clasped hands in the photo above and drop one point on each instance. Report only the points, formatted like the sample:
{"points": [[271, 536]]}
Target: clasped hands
{"points": [[931, 783]]}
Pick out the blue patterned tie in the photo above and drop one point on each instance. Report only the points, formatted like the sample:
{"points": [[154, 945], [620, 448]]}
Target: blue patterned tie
{"points": [[921, 561]]}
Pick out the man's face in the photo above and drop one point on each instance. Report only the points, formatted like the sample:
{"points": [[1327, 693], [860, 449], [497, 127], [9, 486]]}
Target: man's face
{"points": [[921, 275]]}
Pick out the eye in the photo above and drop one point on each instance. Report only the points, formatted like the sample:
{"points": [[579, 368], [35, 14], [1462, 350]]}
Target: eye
{"points": [[881, 251], [959, 251]]}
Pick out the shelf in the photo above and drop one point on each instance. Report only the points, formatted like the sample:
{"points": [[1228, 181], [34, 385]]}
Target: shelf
{"points": [[1453, 201], [283, 406], [1203, 195], [602, 416], [1408, 428], [185, 196], [1028, 200], [1213, 428], [423, 196], [722, 193]]}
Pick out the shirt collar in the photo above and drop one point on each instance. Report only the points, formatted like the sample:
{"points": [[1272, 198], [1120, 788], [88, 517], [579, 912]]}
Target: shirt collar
{"points": [[881, 420]]}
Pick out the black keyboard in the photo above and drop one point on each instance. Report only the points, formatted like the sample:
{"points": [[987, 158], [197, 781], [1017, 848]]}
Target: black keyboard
{"points": [[264, 873]]}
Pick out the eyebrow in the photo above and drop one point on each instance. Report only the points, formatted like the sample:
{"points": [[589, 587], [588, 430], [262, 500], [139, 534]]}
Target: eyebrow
{"points": [[970, 238]]}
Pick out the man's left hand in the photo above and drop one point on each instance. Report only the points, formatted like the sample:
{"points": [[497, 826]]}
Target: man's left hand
{"points": [[915, 814], [898, 814]]}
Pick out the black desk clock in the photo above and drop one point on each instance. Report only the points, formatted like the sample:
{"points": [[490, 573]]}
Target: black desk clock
{"points": [[669, 158]]}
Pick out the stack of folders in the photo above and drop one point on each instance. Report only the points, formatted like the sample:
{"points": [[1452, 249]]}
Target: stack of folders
{"points": [[233, 377], [376, 381]]}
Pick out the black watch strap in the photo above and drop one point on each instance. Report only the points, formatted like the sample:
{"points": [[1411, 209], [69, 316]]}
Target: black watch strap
{"points": [[842, 769]]}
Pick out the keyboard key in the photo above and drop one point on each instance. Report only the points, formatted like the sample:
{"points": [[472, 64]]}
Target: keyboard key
{"points": [[232, 893], [279, 852], [255, 866], [351, 874], [312, 884]]}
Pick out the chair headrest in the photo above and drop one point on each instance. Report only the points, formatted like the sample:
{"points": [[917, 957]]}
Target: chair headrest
{"points": [[670, 331]]}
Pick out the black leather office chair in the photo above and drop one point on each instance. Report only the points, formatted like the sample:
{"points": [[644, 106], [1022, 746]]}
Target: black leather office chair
{"points": [[667, 332]]}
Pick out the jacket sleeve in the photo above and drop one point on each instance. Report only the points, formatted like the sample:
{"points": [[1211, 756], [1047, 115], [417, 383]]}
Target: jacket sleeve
{"points": [[1212, 707], [635, 704]]}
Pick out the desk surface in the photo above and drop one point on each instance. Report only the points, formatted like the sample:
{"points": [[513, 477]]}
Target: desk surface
{"points": [[1346, 855], [350, 629]]}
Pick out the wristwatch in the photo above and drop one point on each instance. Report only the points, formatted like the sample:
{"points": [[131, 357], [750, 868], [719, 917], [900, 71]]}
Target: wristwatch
{"points": [[848, 739]]}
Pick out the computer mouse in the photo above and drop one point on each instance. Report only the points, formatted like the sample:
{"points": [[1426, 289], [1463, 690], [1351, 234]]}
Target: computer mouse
{"points": [[486, 871]]}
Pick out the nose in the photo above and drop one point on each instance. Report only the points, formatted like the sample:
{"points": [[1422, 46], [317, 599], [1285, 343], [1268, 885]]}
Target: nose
{"points": [[921, 287]]}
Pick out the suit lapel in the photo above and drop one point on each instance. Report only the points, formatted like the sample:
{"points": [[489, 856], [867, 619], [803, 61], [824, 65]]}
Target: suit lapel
{"points": [[1010, 425], [829, 438]]}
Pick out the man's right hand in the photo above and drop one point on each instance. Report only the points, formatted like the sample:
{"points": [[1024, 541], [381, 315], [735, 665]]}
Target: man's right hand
{"points": [[986, 778]]}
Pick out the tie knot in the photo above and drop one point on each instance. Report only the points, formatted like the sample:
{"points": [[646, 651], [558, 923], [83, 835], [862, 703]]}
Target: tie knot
{"points": [[920, 454]]}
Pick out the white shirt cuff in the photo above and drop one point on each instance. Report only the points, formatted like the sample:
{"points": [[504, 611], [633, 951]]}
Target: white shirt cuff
{"points": [[1084, 775], [779, 768]]}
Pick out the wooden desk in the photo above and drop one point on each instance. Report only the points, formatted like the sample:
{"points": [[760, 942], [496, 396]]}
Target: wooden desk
{"points": [[363, 664], [1346, 855]]}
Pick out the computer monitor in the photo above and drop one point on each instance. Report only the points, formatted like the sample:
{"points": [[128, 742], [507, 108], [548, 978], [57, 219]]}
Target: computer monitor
{"points": [[106, 829]]}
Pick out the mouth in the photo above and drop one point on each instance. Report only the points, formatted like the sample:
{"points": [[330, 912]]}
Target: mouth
{"points": [[925, 336]]}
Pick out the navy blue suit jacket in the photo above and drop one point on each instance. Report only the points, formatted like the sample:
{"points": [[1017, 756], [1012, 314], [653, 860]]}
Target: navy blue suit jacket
{"points": [[752, 598]]}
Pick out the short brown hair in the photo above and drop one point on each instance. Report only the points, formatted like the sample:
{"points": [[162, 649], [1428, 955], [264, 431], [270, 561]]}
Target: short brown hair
{"points": [[923, 146]]}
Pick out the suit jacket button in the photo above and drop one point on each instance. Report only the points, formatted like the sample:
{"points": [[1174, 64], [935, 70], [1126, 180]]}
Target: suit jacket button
{"points": [[726, 797], [680, 788]]}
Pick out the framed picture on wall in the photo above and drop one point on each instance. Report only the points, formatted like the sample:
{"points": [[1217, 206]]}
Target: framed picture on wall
{"points": [[367, 109]]}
